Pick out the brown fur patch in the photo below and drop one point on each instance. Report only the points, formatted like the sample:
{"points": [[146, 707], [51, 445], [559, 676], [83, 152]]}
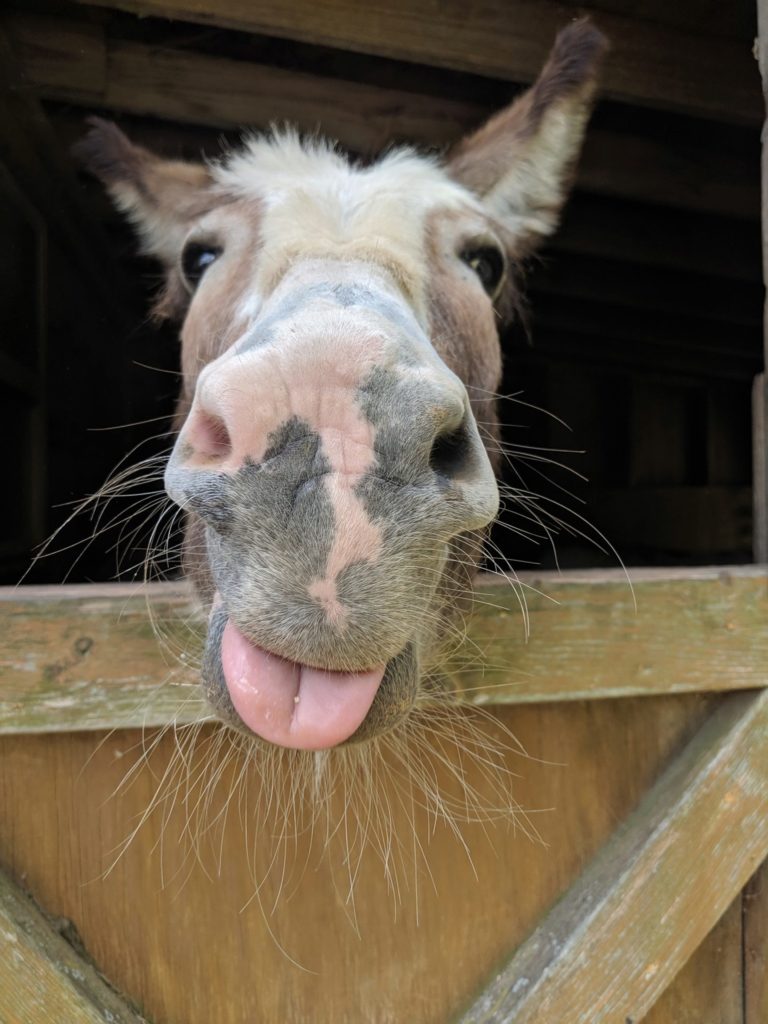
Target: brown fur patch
{"points": [[161, 197], [463, 328], [517, 137]]}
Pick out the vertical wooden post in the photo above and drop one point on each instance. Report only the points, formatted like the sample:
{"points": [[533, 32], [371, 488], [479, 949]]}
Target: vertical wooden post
{"points": [[760, 390], [759, 470]]}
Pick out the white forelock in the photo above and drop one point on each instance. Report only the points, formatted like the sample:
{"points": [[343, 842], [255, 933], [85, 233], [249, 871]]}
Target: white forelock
{"points": [[275, 165]]}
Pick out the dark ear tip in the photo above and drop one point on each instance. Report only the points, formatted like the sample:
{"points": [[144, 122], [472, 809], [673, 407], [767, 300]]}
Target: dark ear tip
{"points": [[583, 36], [105, 151]]}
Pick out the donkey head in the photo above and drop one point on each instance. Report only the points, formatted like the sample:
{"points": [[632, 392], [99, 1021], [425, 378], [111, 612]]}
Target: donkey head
{"points": [[340, 355]]}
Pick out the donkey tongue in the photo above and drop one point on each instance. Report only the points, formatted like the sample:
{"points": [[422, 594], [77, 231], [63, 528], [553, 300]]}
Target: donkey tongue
{"points": [[294, 705]]}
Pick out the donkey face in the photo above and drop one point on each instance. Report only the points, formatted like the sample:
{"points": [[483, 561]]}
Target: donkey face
{"points": [[339, 354]]}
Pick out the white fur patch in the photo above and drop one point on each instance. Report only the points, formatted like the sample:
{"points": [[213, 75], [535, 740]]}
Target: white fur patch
{"points": [[316, 204]]}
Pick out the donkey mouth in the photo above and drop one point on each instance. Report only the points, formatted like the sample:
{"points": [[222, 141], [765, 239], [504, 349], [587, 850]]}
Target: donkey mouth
{"points": [[294, 705], [299, 706]]}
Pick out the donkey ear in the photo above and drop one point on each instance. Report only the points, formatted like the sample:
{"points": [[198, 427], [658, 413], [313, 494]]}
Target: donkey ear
{"points": [[160, 197], [521, 162]]}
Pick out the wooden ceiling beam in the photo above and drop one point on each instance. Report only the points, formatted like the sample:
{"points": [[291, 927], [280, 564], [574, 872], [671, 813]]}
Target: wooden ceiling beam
{"points": [[651, 65], [78, 63]]}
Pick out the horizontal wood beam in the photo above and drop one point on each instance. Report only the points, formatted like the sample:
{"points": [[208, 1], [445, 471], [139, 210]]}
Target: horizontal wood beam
{"points": [[42, 976], [78, 63], [619, 936], [649, 64], [89, 657]]}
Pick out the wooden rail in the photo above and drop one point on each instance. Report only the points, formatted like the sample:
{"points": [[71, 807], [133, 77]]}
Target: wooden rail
{"points": [[87, 657], [657, 66], [43, 977], [77, 62], [618, 937]]}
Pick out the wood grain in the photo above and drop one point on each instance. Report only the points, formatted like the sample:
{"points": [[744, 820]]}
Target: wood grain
{"points": [[649, 64], [756, 947], [88, 657], [710, 988], [78, 63], [42, 977], [760, 468], [622, 932], [187, 941]]}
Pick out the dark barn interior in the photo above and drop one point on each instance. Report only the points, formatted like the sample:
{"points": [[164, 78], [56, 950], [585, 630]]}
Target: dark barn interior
{"points": [[645, 325]]}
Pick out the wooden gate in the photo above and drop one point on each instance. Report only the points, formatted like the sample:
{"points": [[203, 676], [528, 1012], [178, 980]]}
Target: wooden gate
{"points": [[647, 781], [635, 885]]}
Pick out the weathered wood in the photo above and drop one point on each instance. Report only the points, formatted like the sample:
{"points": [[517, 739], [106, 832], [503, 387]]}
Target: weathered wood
{"points": [[735, 19], [86, 657], [755, 941], [102, 666], [709, 989], [43, 979], [64, 60], [650, 65], [760, 468], [188, 941], [618, 937]]}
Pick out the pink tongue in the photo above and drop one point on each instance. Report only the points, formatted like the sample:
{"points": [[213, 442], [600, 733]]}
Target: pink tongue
{"points": [[293, 705]]}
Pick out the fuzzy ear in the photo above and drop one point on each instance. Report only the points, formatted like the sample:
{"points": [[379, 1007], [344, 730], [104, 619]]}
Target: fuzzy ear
{"points": [[521, 162], [160, 197]]}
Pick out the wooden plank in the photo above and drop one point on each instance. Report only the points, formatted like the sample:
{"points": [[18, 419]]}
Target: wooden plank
{"points": [[756, 947], [174, 926], [760, 468], [86, 657], [616, 940], [709, 989], [736, 18], [63, 60], [658, 67], [42, 977]]}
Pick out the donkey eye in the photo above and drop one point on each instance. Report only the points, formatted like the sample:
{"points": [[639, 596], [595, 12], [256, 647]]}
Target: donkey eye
{"points": [[195, 260], [488, 263]]}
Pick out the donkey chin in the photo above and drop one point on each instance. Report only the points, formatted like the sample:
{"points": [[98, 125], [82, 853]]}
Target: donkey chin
{"points": [[340, 358]]}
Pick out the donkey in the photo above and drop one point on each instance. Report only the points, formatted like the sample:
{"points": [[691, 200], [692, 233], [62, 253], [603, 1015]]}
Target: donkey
{"points": [[339, 356]]}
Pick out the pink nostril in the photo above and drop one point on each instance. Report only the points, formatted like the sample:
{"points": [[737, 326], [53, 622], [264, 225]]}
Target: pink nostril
{"points": [[208, 436]]}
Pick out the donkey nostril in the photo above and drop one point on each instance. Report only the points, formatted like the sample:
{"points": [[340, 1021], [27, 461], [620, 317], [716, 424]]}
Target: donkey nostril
{"points": [[209, 437], [451, 452]]}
